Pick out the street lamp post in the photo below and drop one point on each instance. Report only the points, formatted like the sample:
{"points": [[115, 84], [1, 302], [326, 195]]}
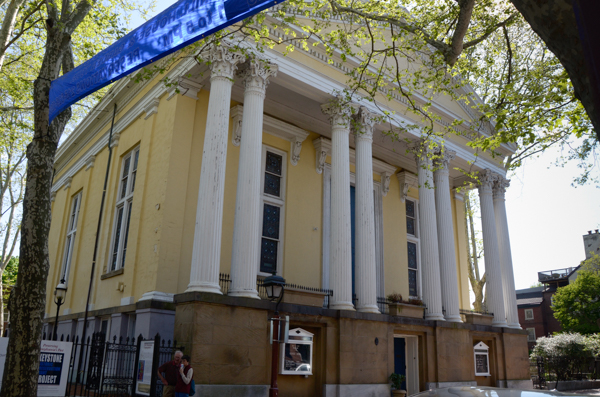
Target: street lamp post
{"points": [[59, 298], [275, 287]]}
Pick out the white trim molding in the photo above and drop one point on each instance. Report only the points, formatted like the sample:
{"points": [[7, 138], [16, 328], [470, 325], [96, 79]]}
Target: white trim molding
{"points": [[151, 108], [406, 181], [322, 149], [67, 183], [157, 296], [89, 162], [186, 87], [296, 136]]}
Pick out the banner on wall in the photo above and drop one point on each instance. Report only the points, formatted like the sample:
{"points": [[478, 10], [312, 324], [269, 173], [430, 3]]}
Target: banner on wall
{"points": [[54, 366], [183, 23]]}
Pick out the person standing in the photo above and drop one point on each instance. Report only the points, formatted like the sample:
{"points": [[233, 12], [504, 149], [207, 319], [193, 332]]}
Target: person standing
{"points": [[184, 380], [171, 371]]}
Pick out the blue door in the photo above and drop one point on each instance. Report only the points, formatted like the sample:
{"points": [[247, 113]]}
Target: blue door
{"points": [[352, 232], [400, 358]]}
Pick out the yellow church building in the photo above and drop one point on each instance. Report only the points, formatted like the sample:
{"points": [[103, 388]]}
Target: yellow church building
{"points": [[249, 165]]}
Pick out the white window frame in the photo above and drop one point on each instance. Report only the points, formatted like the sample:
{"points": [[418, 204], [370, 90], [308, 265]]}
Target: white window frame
{"points": [[274, 201], [125, 202], [481, 349], [302, 334], [528, 314], [70, 238], [415, 239], [530, 333]]}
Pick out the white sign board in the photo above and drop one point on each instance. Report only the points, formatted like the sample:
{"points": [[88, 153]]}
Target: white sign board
{"points": [[144, 368], [54, 366]]}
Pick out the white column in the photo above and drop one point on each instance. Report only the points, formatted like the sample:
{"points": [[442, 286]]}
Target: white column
{"points": [[340, 264], [508, 278], [245, 258], [493, 272], [366, 269], [206, 254], [445, 232], [430, 259]]}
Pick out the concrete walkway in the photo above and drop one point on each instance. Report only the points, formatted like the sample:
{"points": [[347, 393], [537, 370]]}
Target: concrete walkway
{"points": [[589, 392]]}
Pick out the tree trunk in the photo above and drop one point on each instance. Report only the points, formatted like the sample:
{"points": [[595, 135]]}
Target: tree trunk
{"points": [[477, 283], [1, 307], [554, 21], [28, 298]]}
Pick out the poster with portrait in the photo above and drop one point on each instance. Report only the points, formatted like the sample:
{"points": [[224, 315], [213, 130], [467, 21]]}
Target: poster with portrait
{"points": [[144, 368]]}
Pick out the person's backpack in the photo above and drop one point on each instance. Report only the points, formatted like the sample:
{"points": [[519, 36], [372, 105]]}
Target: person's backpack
{"points": [[192, 388]]}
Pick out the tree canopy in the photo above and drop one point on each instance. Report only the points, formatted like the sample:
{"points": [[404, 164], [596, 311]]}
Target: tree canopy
{"points": [[577, 305], [482, 53]]}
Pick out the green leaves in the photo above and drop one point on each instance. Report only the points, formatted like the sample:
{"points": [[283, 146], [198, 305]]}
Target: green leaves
{"points": [[577, 305]]}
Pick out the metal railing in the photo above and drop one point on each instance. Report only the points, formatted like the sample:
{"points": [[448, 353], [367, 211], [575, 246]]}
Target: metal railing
{"points": [[109, 368], [225, 284], [554, 274]]}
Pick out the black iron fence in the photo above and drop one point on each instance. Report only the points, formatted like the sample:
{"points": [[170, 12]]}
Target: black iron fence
{"points": [[101, 367], [546, 372], [225, 283], [383, 304]]}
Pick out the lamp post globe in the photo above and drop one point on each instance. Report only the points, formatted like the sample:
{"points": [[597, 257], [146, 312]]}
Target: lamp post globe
{"points": [[274, 286], [59, 298]]}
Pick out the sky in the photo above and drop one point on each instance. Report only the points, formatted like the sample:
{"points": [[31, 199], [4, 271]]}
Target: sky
{"points": [[547, 216]]}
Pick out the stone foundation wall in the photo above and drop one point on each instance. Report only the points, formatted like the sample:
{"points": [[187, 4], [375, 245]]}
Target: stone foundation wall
{"points": [[228, 339]]}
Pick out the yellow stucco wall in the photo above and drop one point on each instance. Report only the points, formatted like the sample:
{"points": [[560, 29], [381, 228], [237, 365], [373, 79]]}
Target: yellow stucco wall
{"points": [[163, 215]]}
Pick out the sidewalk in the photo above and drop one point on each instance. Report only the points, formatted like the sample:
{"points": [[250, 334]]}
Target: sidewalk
{"points": [[589, 392]]}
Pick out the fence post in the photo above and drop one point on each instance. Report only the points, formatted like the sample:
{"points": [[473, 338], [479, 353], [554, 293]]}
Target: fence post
{"points": [[135, 364], [155, 358]]}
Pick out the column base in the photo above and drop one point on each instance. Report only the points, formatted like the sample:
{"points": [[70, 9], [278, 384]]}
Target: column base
{"points": [[435, 316], [514, 325], [244, 293], [342, 306], [454, 318], [368, 309], [499, 324], [205, 287]]}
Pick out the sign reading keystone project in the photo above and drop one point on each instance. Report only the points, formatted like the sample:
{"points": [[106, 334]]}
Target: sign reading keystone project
{"points": [[54, 366], [181, 24]]}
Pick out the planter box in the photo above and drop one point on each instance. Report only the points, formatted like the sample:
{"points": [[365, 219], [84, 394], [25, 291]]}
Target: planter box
{"points": [[301, 297], [479, 319], [406, 310]]}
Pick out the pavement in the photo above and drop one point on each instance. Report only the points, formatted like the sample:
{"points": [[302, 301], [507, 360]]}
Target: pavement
{"points": [[589, 392]]}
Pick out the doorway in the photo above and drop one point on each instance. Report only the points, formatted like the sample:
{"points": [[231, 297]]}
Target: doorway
{"points": [[406, 361]]}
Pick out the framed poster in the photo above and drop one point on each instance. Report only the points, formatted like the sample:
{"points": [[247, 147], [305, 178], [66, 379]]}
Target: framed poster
{"points": [[296, 355], [482, 359], [144, 368]]}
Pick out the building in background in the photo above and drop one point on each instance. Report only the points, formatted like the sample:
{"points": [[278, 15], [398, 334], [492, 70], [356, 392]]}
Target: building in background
{"points": [[535, 304], [217, 182]]}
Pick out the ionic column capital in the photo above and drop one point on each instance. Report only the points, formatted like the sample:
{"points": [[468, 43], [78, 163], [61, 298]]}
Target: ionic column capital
{"points": [[364, 123], [424, 152], [223, 60], [500, 186], [443, 159], [256, 73], [487, 178], [339, 112]]}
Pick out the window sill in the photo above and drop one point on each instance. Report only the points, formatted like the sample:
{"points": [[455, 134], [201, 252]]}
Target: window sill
{"points": [[112, 274]]}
